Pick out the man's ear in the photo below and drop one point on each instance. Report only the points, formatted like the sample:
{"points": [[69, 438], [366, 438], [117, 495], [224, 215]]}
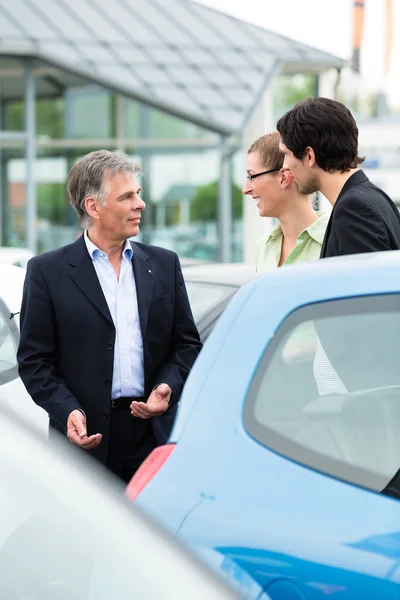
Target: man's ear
{"points": [[309, 157], [286, 178], [91, 205]]}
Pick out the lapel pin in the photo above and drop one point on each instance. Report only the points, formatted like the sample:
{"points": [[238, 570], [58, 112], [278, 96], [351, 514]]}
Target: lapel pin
{"points": [[149, 270]]}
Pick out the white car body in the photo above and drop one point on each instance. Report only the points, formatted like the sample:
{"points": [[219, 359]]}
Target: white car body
{"points": [[18, 257], [12, 391]]}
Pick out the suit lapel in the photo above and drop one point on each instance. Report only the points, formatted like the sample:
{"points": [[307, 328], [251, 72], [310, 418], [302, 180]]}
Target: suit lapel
{"points": [[84, 275], [144, 272], [326, 236], [357, 177]]}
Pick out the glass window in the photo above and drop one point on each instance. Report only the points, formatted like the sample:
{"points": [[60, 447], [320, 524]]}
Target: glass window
{"points": [[8, 346], [289, 89], [204, 297], [89, 113], [327, 391]]}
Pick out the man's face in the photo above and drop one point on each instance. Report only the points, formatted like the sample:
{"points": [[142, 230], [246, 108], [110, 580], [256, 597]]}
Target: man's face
{"points": [[119, 217], [302, 170]]}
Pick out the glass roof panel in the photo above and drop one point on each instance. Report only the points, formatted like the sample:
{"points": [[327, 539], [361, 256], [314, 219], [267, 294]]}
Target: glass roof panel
{"points": [[153, 76], [230, 118], [97, 25], [122, 77], [28, 19], [198, 56], [187, 75], [97, 52], [163, 22], [168, 56], [178, 96], [67, 52], [128, 20], [61, 20], [132, 54], [183, 12], [230, 29], [209, 97], [221, 76], [185, 58], [7, 27]]}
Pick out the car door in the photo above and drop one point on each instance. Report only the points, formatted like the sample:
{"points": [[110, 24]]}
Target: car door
{"points": [[12, 391]]}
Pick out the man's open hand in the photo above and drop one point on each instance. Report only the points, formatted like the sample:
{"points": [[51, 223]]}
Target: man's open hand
{"points": [[77, 432], [157, 403]]}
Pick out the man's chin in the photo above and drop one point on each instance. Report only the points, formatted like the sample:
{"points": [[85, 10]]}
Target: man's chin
{"points": [[134, 229]]}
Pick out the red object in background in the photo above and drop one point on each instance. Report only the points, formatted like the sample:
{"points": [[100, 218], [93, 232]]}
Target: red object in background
{"points": [[147, 470]]}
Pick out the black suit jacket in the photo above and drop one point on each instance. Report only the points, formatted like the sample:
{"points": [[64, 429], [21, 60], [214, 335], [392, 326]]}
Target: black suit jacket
{"points": [[363, 219], [66, 350]]}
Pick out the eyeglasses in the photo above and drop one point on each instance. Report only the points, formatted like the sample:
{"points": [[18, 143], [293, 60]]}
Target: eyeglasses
{"points": [[251, 177]]}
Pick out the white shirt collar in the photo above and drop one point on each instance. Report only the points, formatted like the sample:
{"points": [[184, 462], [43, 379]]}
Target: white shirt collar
{"points": [[95, 251]]}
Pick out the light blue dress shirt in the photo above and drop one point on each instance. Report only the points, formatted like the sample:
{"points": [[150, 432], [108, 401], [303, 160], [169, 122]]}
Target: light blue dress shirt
{"points": [[120, 294]]}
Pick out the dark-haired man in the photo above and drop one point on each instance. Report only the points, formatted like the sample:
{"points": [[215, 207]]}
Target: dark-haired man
{"points": [[319, 138]]}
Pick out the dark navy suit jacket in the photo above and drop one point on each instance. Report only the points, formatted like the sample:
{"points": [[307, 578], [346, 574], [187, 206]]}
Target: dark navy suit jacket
{"points": [[66, 350], [363, 219]]}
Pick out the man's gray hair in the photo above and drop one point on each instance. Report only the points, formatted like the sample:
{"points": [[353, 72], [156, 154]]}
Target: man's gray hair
{"points": [[86, 178]]}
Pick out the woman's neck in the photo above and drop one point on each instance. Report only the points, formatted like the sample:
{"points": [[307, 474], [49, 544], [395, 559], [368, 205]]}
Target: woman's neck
{"points": [[293, 222]]}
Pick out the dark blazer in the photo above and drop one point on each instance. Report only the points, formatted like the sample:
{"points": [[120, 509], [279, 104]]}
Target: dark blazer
{"points": [[363, 219], [66, 350]]}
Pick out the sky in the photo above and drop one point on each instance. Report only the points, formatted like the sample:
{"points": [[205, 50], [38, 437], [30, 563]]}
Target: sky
{"points": [[328, 25]]}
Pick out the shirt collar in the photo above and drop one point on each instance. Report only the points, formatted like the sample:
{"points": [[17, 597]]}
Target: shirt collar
{"points": [[95, 251], [316, 230]]}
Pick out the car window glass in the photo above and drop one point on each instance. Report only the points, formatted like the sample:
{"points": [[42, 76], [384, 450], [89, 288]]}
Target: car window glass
{"points": [[8, 346], [327, 392], [204, 297]]}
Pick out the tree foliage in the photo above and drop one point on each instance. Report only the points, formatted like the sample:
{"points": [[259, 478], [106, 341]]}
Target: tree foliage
{"points": [[203, 206]]}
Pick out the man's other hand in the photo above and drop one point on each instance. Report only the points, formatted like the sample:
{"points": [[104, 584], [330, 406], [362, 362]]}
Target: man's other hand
{"points": [[77, 432], [157, 403]]}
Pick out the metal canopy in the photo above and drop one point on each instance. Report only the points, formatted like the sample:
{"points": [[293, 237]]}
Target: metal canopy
{"points": [[189, 60]]}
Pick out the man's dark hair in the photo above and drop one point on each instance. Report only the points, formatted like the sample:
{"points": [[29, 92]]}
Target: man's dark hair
{"points": [[326, 126]]}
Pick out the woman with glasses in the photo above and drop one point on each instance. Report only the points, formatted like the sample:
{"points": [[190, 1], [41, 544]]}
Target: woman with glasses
{"points": [[298, 236]]}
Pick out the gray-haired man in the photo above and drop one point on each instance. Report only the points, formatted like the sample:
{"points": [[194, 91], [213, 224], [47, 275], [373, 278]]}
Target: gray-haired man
{"points": [[107, 333]]}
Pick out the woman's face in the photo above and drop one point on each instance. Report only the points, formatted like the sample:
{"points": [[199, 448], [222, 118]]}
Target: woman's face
{"points": [[265, 189]]}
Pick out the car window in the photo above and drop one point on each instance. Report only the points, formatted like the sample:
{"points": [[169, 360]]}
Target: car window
{"points": [[204, 297], [8, 345], [327, 391]]}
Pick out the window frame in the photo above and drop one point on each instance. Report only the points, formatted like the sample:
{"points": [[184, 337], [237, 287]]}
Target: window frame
{"points": [[11, 374], [286, 447]]}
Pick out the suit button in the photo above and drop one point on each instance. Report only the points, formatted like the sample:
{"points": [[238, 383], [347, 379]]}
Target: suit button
{"points": [[110, 346], [108, 381], [104, 415]]}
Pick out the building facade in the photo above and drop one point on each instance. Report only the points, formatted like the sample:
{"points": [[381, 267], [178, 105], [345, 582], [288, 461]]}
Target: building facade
{"points": [[181, 87]]}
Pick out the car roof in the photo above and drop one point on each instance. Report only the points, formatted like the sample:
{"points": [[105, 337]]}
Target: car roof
{"points": [[356, 274], [11, 285], [235, 274], [6, 251], [64, 478]]}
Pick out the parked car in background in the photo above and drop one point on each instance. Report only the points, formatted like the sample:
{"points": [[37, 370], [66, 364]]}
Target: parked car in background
{"points": [[278, 454], [211, 287], [66, 532], [12, 391], [18, 257]]}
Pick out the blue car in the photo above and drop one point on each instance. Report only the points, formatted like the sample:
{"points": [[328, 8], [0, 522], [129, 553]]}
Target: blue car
{"points": [[289, 432]]}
